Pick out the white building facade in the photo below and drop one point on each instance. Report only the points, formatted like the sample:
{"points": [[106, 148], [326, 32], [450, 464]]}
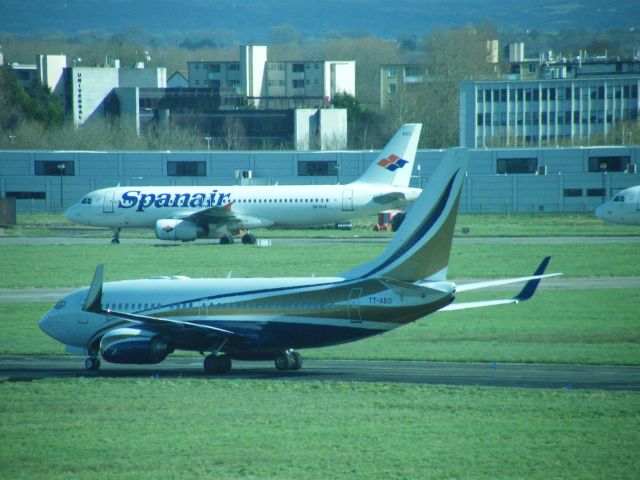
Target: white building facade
{"points": [[545, 112]]}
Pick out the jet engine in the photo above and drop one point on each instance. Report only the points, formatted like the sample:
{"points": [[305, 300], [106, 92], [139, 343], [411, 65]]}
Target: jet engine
{"points": [[134, 345], [173, 229]]}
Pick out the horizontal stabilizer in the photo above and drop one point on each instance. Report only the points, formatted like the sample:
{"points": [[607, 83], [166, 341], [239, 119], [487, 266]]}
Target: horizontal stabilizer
{"points": [[407, 288], [389, 197]]}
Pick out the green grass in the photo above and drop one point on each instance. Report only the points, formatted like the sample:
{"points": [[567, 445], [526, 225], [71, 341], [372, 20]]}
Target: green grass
{"points": [[73, 265], [139, 429], [479, 225], [564, 326]]}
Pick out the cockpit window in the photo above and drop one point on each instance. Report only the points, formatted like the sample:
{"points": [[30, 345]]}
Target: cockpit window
{"points": [[618, 198], [60, 304]]}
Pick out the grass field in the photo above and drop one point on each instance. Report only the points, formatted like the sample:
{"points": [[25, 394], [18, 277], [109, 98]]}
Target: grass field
{"points": [[236, 429], [138, 429], [514, 225], [73, 265]]}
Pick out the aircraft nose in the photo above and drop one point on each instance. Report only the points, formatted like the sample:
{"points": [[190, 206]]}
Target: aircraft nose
{"points": [[600, 212], [72, 212], [46, 324]]}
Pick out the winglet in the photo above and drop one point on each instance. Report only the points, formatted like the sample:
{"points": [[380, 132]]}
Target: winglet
{"points": [[530, 287], [93, 303]]}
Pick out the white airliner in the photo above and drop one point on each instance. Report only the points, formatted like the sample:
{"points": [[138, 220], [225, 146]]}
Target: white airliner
{"points": [[187, 213], [143, 321], [623, 208]]}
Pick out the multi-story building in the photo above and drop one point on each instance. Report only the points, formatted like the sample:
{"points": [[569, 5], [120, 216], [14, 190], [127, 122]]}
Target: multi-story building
{"points": [[545, 112], [87, 89], [263, 82], [396, 79]]}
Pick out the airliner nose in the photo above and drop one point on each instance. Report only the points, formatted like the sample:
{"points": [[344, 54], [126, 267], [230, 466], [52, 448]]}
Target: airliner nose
{"points": [[600, 212], [72, 212], [46, 324]]}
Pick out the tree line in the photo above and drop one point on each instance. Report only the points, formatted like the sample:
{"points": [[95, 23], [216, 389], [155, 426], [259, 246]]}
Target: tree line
{"points": [[33, 118]]}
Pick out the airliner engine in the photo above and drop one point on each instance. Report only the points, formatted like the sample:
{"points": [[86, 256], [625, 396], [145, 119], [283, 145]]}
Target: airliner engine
{"points": [[134, 345], [173, 229]]}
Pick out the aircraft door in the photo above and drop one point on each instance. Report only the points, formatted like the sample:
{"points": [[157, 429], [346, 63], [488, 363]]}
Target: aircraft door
{"points": [[353, 306], [107, 204], [347, 200]]}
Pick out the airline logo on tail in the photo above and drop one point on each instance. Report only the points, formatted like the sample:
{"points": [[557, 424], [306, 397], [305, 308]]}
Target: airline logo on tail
{"points": [[392, 163]]}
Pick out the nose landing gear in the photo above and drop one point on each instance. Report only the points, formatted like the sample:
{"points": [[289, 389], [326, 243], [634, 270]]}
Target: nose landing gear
{"points": [[116, 236], [92, 363]]}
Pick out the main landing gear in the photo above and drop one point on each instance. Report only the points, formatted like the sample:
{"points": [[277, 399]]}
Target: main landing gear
{"points": [[248, 239], [116, 236], [226, 239], [216, 364], [288, 360]]}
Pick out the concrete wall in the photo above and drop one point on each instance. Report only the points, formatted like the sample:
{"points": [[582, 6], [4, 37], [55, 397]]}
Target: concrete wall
{"points": [[484, 190]]}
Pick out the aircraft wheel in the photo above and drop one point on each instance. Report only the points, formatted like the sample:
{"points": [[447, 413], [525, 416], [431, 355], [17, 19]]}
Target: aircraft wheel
{"points": [[287, 361], [115, 241], [226, 240], [297, 361], [248, 239], [216, 364], [92, 363]]}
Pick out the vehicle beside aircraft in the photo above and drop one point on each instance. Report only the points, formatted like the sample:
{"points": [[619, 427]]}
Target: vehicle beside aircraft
{"points": [[143, 321], [623, 208], [187, 213]]}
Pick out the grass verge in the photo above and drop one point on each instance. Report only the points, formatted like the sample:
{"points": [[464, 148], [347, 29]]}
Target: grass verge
{"points": [[115, 429], [73, 265]]}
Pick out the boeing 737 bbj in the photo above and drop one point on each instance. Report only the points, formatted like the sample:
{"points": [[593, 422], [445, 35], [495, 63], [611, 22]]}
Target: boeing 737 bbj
{"points": [[143, 321], [187, 213]]}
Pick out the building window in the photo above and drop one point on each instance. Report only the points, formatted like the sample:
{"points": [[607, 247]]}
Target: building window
{"points": [[317, 168], [392, 88], [516, 165], [595, 192], [392, 72], [609, 164], [233, 67], [186, 169], [55, 168], [297, 68], [27, 195], [572, 192], [298, 83], [214, 67]]}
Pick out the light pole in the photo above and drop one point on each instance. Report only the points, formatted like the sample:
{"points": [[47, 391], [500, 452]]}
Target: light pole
{"points": [[208, 139], [419, 177], [61, 168]]}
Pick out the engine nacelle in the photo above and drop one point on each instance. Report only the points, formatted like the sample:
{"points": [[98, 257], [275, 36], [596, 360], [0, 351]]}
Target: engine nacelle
{"points": [[173, 229], [134, 345]]}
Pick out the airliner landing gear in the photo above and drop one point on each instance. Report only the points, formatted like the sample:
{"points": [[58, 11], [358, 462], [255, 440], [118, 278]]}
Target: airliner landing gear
{"points": [[92, 363], [226, 239], [288, 360], [248, 239], [214, 364], [116, 236]]}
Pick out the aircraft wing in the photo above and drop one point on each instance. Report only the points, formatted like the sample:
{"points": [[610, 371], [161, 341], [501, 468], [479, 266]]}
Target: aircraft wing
{"points": [[210, 215], [525, 294], [224, 215]]}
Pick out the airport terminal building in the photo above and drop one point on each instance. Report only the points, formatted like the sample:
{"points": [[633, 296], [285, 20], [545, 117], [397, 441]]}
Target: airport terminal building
{"points": [[501, 180]]}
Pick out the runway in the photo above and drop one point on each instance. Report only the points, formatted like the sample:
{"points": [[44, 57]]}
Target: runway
{"points": [[599, 377]]}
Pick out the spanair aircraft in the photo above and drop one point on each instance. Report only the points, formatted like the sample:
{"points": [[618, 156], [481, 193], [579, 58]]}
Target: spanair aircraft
{"points": [[143, 321], [623, 208], [187, 213]]}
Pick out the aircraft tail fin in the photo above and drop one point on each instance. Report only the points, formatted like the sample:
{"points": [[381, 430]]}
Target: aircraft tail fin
{"points": [[420, 248], [394, 164]]}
